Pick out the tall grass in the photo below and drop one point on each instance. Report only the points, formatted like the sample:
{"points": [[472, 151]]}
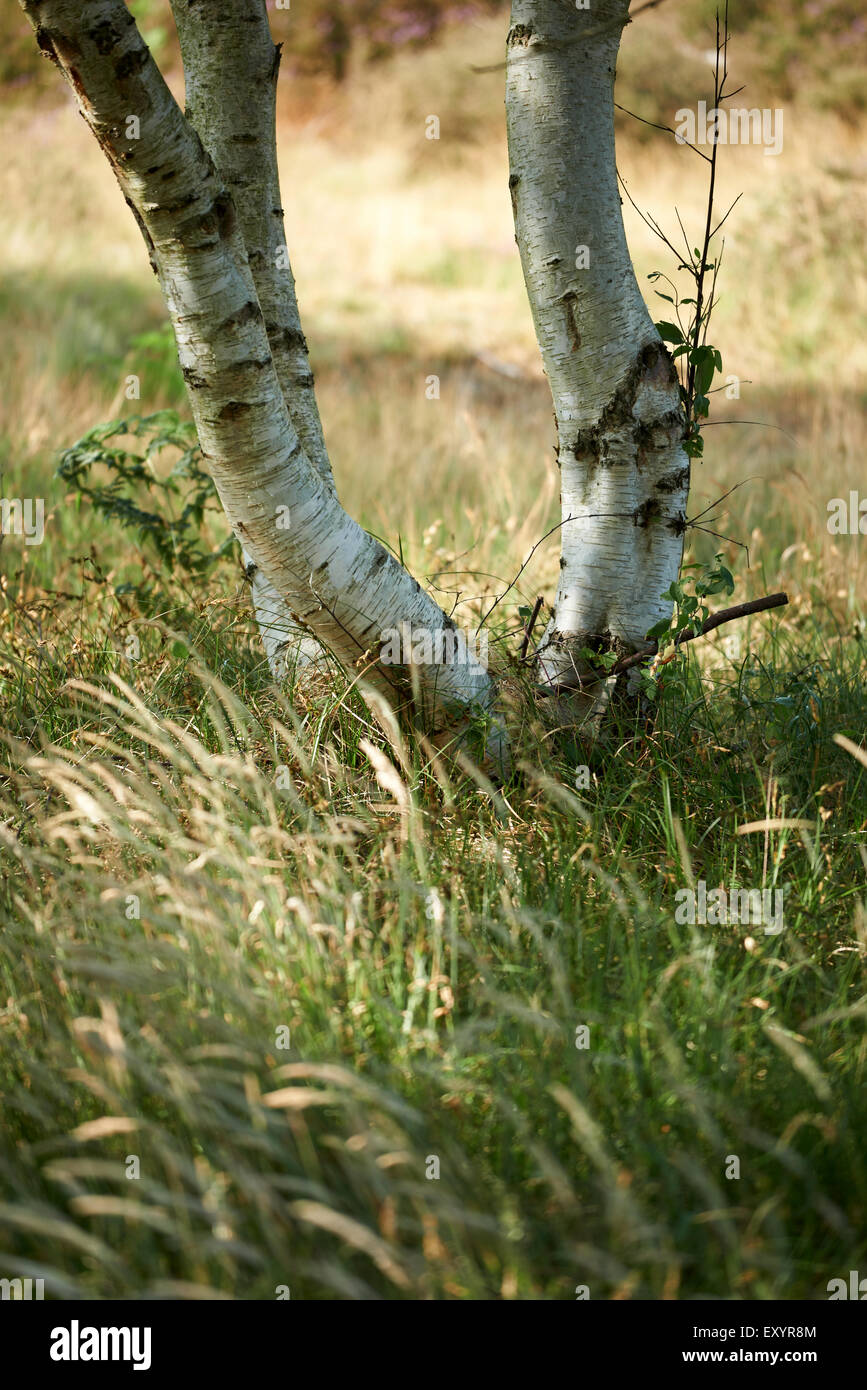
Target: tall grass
{"points": [[327, 993]]}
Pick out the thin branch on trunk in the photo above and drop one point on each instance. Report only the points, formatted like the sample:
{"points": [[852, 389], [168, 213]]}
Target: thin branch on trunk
{"points": [[725, 615]]}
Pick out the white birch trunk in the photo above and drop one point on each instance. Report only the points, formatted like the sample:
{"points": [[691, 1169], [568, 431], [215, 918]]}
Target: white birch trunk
{"points": [[624, 473], [336, 579], [231, 67]]}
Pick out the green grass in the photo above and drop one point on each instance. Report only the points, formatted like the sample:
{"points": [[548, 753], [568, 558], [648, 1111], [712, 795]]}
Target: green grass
{"points": [[432, 948]]}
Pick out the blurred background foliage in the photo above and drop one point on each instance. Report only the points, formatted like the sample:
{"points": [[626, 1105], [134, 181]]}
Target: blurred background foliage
{"points": [[814, 49]]}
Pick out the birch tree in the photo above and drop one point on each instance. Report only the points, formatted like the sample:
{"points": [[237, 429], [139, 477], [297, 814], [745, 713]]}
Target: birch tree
{"points": [[624, 472], [203, 188]]}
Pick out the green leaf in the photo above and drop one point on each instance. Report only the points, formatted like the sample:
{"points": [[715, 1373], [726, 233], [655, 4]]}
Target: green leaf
{"points": [[670, 332], [704, 376]]}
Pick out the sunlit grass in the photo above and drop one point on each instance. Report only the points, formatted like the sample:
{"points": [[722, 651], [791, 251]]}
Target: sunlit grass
{"points": [[189, 870]]}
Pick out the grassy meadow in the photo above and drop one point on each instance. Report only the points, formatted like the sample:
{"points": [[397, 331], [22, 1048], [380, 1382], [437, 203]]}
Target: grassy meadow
{"points": [[289, 1001]]}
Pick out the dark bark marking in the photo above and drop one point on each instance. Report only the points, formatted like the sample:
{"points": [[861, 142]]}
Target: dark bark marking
{"points": [[225, 213], [257, 363], [140, 223], [131, 63], [653, 363], [173, 208], [192, 378], [674, 481], [57, 46], [233, 410], [46, 47], [248, 313], [215, 223], [643, 515], [289, 339], [570, 303], [646, 430], [105, 37]]}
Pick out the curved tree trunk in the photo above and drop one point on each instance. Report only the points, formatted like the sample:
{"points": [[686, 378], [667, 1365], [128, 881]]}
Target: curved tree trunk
{"points": [[336, 579], [624, 473]]}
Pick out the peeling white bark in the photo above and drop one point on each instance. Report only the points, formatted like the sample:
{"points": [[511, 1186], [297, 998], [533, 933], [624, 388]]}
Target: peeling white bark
{"points": [[336, 579], [624, 473]]}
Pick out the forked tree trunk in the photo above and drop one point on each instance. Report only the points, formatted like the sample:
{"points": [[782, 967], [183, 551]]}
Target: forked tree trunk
{"points": [[204, 191], [338, 581], [624, 473]]}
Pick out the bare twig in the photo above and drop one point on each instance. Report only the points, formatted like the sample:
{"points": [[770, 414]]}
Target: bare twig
{"points": [[626, 663], [511, 586], [528, 630], [725, 615], [654, 126]]}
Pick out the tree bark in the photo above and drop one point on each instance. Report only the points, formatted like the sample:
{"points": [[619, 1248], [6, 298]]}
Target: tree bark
{"points": [[231, 67], [336, 579], [620, 425]]}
